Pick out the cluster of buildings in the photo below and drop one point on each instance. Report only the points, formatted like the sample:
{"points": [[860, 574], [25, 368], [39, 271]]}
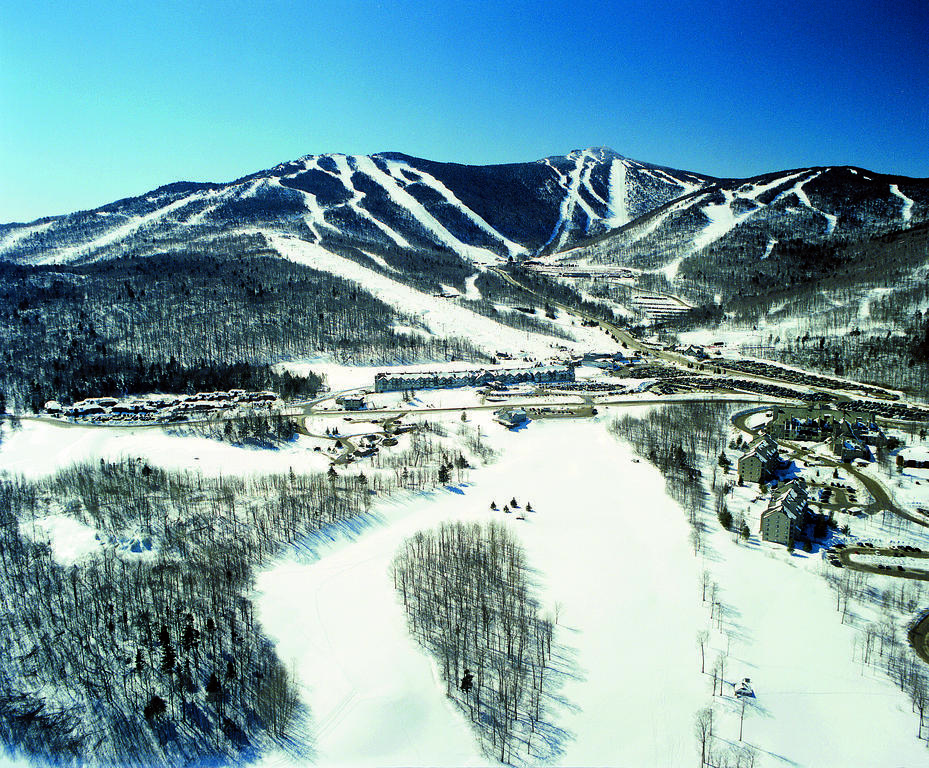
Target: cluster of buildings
{"points": [[159, 407], [539, 374], [851, 433]]}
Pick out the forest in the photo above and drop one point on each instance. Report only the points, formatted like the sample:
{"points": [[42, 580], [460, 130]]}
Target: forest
{"points": [[186, 321], [469, 601], [147, 649]]}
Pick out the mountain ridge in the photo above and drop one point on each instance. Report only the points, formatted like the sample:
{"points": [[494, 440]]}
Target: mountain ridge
{"points": [[644, 213]]}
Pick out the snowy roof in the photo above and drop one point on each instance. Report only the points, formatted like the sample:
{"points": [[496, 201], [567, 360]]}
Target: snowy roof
{"points": [[790, 499], [765, 448]]}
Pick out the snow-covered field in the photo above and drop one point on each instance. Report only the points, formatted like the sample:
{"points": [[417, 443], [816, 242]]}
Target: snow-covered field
{"points": [[611, 551], [612, 561], [602, 530], [39, 448]]}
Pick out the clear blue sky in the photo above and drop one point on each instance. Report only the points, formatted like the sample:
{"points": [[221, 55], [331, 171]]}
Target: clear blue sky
{"points": [[102, 100]]}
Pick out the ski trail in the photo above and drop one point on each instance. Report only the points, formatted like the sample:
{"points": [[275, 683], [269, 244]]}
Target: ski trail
{"points": [[395, 166], [442, 318], [906, 211], [722, 221], [12, 238], [221, 197], [769, 247], [405, 200], [315, 216], [617, 205], [755, 190], [657, 221], [797, 189], [344, 174], [134, 224], [570, 201]]}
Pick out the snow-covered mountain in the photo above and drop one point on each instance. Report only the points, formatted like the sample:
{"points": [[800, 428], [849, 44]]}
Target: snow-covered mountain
{"points": [[754, 215], [590, 206], [385, 201]]}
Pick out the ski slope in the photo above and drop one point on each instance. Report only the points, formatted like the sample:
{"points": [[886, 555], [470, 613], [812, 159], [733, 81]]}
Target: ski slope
{"points": [[612, 558], [906, 210], [377, 694], [442, 317]]}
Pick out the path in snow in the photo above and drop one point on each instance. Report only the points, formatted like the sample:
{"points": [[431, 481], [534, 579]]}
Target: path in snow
{"points": [[405, 200], [722, 220], [618, 207], [129, 226], [797, 189], [772, 241], [906, 211], [396, 167], [572, 199]]}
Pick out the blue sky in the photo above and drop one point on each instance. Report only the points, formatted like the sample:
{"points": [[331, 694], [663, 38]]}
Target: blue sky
{"points": [[105, 100]]}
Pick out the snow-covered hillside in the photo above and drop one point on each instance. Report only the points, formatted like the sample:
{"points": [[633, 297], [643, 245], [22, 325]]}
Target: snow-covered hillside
{"points": [[813, 204], [387, 201], [439, 317]]}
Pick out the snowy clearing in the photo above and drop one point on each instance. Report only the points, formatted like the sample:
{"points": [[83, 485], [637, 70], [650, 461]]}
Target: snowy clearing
{"points": [[70, 540], [40, 448]]}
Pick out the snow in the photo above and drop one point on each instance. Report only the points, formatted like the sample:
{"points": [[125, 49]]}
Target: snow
{"points": [[618, 209], [128, 227], [405, 200], [12, 237], [788, 639], [610, 556], [798, 191], [906, 211], [594, 545], [671, 269], [472, 292], [864, 309], [355, 686], [226, 194], [914, 563], [344, 174], [772, 241], [69, 539], [655, 221], [754, 191], [571, 185], [687, 186], [40, 448], [515, 249], [442, 317], [722, 220]]}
